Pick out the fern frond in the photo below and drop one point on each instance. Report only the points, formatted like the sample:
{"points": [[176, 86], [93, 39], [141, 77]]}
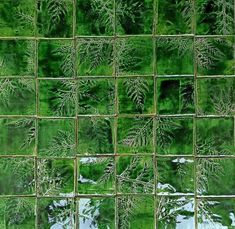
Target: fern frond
{"points": [[186, 8], [206, 53], [63, 144], [224, 11], [66, 98], [7, 88], [139, 134], [165, 129], [223, 101], [136, 90], [67, 52], [56, 10]]}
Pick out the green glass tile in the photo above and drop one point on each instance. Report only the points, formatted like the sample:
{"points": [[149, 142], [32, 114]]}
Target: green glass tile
{"points": [[96, 175], [216, 213], [95, 17], [94, 57], [57, 97], [142, 212], [56, 212], [55, 177], [174, 136], [215, 17], [175, 212], [174, 55], [135, 95], [175, 175], [96, 212], [55, 18], [215, 176], [17, 58], [216, 96], [135, 174], [135, 135], [17, 213], [134, 17], [56, 138], [17, 176], [175, 96], [134, 56], [215, 136], [56, 58], [17, 18], [175, 17], [214, 56], [95, 136], [96, 96], [17, 136]]}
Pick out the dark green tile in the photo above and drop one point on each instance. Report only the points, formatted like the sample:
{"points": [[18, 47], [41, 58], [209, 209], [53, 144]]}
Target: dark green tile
{"points": [[56, 58], [175, 95], [55, 18], [56, 137], [135, 95], [135, 135], [135, 174], [96, 96], [17, 57], [174, 136], [96, 175], [17, 176], [95, 135], [175, 175], [17, 136], [17, 18], [57, 97]]}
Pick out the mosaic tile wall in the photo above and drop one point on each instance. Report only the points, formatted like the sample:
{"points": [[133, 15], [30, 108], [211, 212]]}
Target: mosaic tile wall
{"points": [[117, 114]]}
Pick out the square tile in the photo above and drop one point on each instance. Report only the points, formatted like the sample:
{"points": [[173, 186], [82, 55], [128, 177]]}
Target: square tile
{"points": [[95, 135], [175, 96], [57, 97], [135, 95], [95, 17], [96, 96], [17, 136], [174, 55], [175, 212], [215, 176], [55, 18], [17, 18], [55, 177], [216, 96], [215, 17], [94, 56], [135, 135], [175, 175], [17, 176], [130, 212], [214, 56], [135, 174], [174, 136], [134, 56], [56, 212], [17, 58], [96, 212], [96, 175], [216, 213], [17, 96], [215, 136], [134, 17], [56, 58], [175, 17], [56, 138], [17, 212]]}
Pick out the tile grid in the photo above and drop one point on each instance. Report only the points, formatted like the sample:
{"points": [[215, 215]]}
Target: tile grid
{"points": [[117, 115]]}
